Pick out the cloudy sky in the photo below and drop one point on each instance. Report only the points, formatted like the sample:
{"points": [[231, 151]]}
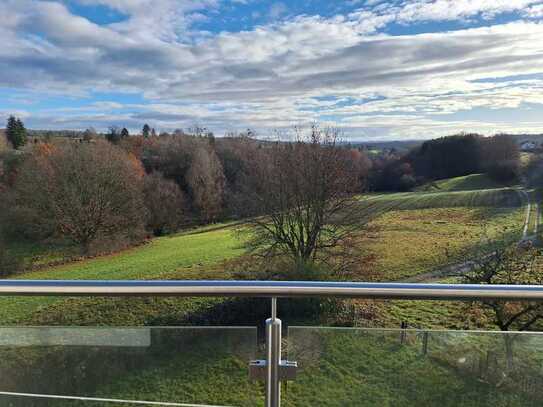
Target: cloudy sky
{"points": [[379, 69]]}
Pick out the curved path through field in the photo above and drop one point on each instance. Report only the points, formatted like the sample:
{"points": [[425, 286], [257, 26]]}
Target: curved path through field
{"points": [[529, 235]]}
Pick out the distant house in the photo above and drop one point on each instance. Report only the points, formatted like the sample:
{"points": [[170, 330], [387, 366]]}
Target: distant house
{"points": [[528, 145]]}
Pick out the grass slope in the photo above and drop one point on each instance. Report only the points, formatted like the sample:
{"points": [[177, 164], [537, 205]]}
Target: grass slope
{"points": [[188, 255], [153, 260], [497, 197], [409, 242], [465, 183]]}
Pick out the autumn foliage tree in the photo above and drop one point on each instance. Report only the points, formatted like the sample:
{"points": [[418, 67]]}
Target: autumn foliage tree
{"points": [[83, 192]]}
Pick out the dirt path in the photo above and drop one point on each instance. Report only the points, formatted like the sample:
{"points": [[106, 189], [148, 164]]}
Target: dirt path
{"points": [[526, 197], [533, 212], [453, 270]]}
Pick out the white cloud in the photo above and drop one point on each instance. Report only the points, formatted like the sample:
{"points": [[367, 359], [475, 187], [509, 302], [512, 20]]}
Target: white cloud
{"points": [[535, 11], [439, 10], [270, 76], [410, 11]]}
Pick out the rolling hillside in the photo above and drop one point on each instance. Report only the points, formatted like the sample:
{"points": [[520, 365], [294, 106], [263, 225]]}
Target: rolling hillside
{"points": [[497, 198], [410, 235], [465, 183]]}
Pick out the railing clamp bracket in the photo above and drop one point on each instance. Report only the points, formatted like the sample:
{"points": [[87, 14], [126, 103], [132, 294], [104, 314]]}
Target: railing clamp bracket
{"points": [[287, 370]]}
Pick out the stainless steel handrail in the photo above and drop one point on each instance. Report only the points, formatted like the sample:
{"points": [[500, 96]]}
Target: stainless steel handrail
{"points": [[208, 288], [273, 289]]}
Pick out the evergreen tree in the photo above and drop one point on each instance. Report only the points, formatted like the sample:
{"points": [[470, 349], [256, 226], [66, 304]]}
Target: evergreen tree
{"points": [[114, 135], [146, 130], [11, 129], [16, 132], [124, 133]]}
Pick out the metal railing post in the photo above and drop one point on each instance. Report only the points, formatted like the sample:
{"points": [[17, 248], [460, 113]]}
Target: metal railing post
{"points": [[273, 357]]}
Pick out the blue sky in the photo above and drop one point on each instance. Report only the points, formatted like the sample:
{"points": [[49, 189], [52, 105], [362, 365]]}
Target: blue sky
{"points": [[378, 69]]}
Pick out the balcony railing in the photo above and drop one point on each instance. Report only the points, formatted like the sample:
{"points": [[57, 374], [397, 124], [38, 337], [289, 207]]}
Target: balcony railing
{"points": [[57, 366]]}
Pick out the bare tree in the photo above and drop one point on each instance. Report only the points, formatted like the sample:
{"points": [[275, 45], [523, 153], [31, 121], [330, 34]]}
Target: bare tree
{"points": [[305, 192], [206, 183], [165, 202], [83, 192], [510, 264]]}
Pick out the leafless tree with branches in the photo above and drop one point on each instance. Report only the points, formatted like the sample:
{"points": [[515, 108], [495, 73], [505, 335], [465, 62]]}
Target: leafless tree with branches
{"points": [[509, 263], [305, 192]]}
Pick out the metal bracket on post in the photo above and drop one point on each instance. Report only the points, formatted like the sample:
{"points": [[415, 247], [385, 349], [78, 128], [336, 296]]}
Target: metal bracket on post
{"points": [[287, 370], [273, 370]]}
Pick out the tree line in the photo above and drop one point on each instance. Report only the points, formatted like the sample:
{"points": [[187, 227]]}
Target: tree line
{"points": [[298, 194], [447, 157], [96, 190]]}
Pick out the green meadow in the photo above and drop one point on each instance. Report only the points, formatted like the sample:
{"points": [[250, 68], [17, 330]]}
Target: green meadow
{"points": [[412, 233]]}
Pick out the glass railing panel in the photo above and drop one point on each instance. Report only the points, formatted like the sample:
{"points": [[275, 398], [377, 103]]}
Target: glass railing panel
{"points": [[365, 367], [185, 365]]}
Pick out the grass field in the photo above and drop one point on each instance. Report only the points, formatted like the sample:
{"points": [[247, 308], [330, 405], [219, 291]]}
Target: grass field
{"points": [[398, 244], [498, 198], [465, 183], [386, 372], [184, 256], [413, 241], [420, 233]]}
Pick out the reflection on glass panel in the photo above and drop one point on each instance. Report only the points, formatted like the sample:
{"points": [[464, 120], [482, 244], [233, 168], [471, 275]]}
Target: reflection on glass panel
{"points": [[200, 366], [365, 367]]}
